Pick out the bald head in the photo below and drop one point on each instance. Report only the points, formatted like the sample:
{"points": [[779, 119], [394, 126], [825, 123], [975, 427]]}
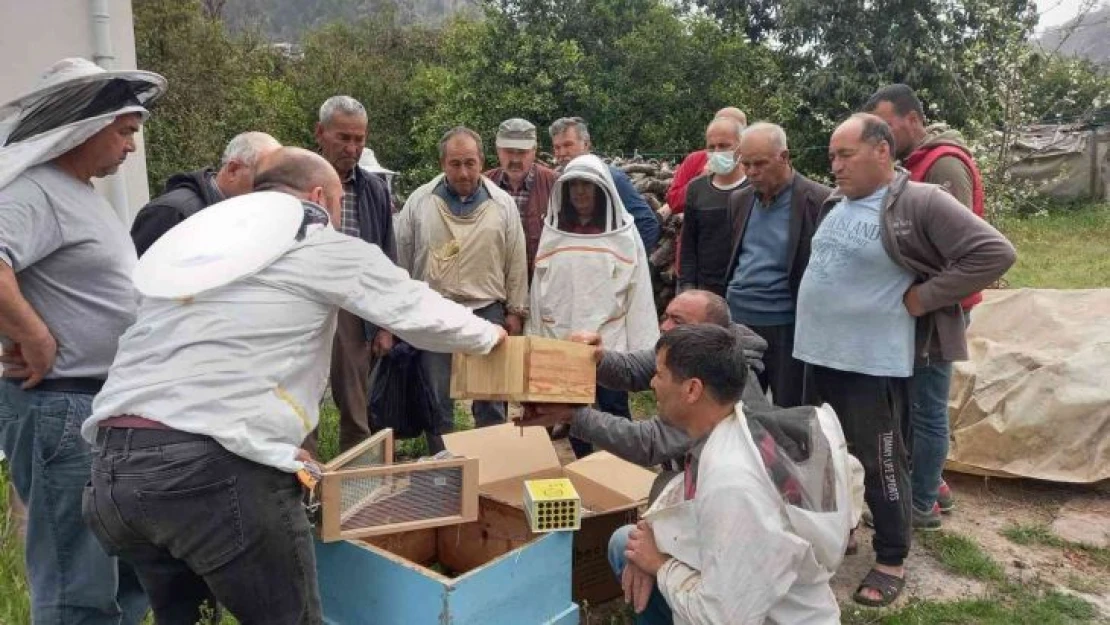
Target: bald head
{"points": [[696, 306], [861, 152], [732, 112], [303, 174]]}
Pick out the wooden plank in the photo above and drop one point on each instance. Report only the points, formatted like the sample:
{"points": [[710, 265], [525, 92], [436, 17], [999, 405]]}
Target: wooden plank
{"points": [[403, 468], [500, 528], [407, 526], [383, 439], [417, 546], [329, 517], [561, 371]]}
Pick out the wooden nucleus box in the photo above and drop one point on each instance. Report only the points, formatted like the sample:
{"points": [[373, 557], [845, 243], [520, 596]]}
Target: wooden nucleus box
{"points": [[527, 369]]}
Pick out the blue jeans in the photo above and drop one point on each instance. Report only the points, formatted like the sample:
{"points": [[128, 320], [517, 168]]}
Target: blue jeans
{"points": [[657, 611], [72, 579], [929, 431]]}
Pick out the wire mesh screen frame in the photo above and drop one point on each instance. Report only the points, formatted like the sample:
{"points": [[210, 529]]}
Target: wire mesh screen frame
{"points": [[372, 501]]}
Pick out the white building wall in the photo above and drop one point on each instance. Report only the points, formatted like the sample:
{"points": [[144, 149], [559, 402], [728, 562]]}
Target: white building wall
{"points": [[36, 33]]}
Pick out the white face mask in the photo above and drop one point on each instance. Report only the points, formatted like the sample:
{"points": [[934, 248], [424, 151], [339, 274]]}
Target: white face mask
{"points": [[722, 162]]}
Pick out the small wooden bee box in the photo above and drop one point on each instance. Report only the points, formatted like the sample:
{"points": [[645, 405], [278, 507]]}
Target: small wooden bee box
{"points": [[527, 369], [552, 505]]}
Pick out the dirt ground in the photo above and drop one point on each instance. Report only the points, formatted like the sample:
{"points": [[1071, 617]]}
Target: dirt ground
{"points": [[985, 507]]}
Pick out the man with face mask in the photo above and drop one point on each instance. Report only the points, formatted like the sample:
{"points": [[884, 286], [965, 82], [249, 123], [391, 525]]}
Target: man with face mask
{"points": [[771, 224], [526, 180], [704, 258], [461, 234]]}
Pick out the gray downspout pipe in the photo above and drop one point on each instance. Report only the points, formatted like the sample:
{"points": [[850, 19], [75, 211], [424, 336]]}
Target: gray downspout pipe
{"points": [[103, 56]]}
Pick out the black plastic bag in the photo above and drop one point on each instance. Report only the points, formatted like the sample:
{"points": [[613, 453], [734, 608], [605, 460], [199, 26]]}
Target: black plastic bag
{"points": [[401, 399]]}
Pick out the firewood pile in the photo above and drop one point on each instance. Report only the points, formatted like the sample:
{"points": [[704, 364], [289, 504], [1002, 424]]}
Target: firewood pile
{"points": [[652, 178]]}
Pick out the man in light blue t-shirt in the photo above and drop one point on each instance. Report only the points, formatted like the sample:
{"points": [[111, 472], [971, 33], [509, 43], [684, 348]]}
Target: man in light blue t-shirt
{"points": [[891, 261], [858, 338]]}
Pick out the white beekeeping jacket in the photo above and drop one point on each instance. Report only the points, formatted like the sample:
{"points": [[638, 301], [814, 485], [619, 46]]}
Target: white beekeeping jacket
{"points": [[750, 548], [593, 282]]}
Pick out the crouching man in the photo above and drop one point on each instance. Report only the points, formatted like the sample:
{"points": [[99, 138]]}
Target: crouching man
{"points": [[753, 532], [198, 425]]}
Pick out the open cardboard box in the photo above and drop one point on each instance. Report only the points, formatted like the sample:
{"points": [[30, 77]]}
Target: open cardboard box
{"points": [[611, 491]]}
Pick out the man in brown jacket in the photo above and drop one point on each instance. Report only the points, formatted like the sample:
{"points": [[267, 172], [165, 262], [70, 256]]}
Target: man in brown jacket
{"points": [[772, 222], [891, 261], [936, 154], [523, 178]]}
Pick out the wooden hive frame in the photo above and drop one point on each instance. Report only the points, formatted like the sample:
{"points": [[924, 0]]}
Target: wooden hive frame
{"points": [[359, 499]]}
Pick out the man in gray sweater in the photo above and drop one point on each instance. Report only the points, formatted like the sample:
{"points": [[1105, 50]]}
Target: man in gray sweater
{"points": [[650, 441]]}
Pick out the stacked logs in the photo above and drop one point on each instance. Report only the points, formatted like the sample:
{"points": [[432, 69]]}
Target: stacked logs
{"points": [[652, 178]]}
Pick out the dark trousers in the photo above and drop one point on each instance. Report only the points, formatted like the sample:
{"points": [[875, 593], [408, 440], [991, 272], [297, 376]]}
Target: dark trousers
{"points": [[351, 364], [782, 373], [871, 411], [437, 372], [607, 400], [202, 525]]}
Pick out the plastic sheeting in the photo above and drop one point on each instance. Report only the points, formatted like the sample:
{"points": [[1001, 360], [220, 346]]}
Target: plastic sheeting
{"points": [[1063, 161], [1033, 400]]}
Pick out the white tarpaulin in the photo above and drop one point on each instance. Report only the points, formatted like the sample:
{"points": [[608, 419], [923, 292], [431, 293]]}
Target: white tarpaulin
{"points": [[1033, 400]]}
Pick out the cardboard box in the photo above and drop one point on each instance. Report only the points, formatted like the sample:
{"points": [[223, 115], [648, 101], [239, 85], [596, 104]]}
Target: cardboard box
{"points": [[397, 579], [611, 491], [362, 493], [527, 369]]}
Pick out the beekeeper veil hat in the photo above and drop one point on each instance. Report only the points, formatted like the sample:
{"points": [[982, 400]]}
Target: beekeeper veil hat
{"points": [[73, 100]]}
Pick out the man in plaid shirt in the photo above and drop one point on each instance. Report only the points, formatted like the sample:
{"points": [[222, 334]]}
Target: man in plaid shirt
{"points": [[528, 182], [367, 214]]}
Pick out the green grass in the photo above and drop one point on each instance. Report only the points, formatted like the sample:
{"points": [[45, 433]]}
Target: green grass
{"points": [[1036, 534], [14, 595], [643, 404], [1014, 605], [962, 556], [1065, 249]]}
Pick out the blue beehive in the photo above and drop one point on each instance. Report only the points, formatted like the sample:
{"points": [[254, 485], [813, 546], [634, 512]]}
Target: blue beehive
{"points": [[367, 584]]}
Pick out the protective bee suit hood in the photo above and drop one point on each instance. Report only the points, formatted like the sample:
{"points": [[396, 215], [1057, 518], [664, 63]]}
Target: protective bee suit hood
{"points": [[593, 282]]}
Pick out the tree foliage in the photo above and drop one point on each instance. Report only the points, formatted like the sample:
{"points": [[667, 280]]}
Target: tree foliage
{"points": [[646, 74]]}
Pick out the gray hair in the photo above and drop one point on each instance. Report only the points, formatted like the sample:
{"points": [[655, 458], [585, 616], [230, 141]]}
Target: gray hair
{"points": [[774, 131], [246, 147], [563, 124], [343, 104], [732, 120], [462, 131], [875, 130]]}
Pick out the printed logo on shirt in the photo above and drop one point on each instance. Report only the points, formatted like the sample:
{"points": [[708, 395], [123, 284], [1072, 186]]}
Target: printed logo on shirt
{"points": [[837, 241], [901, 227]]}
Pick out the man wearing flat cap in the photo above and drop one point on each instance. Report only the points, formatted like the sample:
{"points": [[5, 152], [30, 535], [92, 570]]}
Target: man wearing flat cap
{"points": [[528, 182], [65, 298]]}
